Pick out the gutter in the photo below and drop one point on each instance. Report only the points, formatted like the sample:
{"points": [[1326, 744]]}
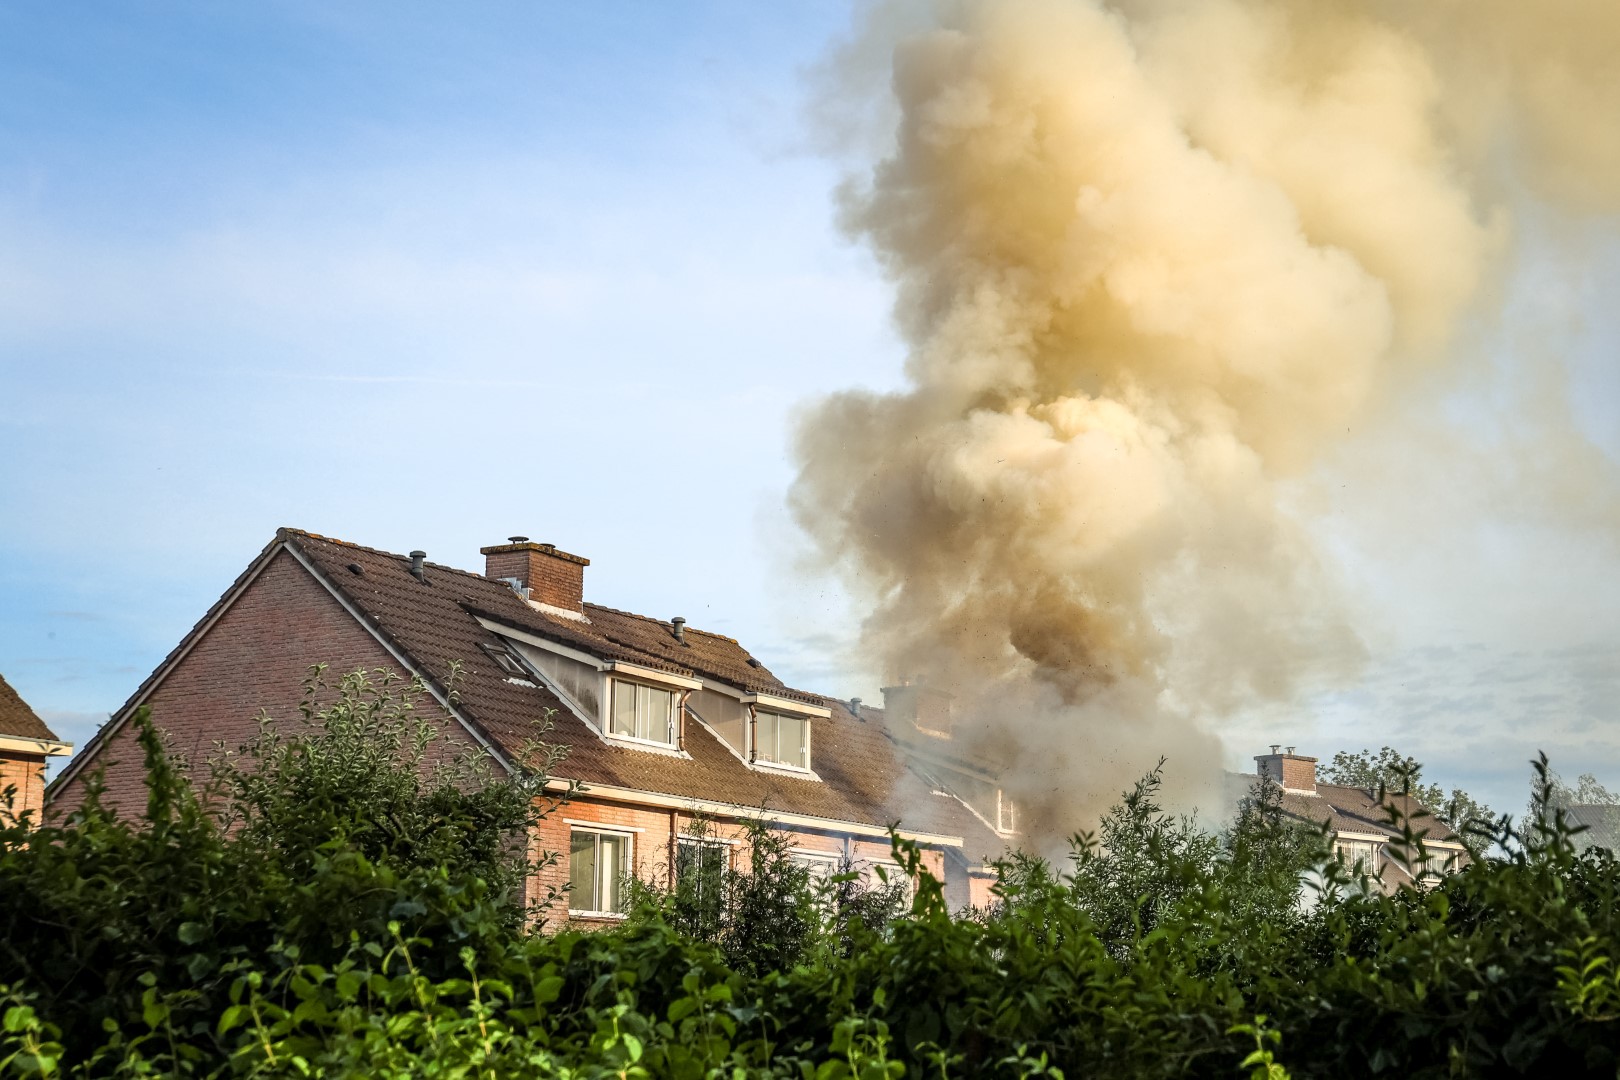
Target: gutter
{"points": [[48, 747]]}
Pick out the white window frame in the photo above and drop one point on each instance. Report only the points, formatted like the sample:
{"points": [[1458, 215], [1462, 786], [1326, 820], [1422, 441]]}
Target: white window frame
{"points": [[675, 710], [895, 872], [1006, 813], [1350, 849], [772, 763], [596, 833], [702, 843], [821, 864]]}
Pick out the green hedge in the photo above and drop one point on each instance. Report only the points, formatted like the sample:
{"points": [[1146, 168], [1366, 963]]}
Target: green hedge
{"points": [[169, 946]]}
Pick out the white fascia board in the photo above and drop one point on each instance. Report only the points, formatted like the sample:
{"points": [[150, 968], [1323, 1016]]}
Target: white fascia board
{"points": [[48, 747], [501, 629], [403, 661], [647, 674], [620, 667], [787, 705], [1377, 838], [767, 699], [754, 813]]}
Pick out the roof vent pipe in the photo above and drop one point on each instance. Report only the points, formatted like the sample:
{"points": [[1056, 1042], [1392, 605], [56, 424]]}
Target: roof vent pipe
{"points": [[416, 564], [677, 626], [855, 707]]}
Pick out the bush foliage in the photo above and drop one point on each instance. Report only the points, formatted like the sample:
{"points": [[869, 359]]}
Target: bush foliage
{"points": [[379, 933]]}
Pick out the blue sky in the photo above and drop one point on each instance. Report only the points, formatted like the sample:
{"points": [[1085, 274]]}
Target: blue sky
{"points": [[423, 278]]}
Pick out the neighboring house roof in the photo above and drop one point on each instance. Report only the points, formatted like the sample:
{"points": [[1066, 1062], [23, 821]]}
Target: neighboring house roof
{"points": [[1355, 809], [19, 721], [1348, 809], [1602, 823], [434, 622]]}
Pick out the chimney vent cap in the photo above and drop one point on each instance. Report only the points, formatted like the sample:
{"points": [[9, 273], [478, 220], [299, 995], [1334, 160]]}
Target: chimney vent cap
{"points": [[517, 539], [1276, 747], [677, 626], [1290, 749]]}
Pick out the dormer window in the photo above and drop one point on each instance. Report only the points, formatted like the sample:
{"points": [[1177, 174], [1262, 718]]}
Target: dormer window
{"points": [[1006, 813], [782, 739], [642, 712]]}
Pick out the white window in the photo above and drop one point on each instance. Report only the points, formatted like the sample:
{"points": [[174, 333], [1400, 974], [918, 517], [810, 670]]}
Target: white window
{"points": [[782, 739], [821, 864], [1364, 852], [643, 712], [1006, 813], [892, 876], [700, 868], [598, 863]]}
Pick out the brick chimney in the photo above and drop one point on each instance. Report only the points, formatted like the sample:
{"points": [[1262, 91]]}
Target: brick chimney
{"points": [[922, 707], [1294, 772], [553, 577]]}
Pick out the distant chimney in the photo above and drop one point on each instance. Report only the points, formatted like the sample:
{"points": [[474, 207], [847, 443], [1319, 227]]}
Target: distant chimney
{"points": [[553, 577], [1292, 771], [922, 707]]}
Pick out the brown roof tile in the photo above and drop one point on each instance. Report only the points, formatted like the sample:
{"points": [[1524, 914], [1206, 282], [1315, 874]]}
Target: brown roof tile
{"points": [[17, 719], [435, 621]]}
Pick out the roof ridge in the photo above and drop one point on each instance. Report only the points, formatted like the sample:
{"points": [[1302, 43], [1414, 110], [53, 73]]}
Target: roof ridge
{"points": [[288, 532], [663, 622]]}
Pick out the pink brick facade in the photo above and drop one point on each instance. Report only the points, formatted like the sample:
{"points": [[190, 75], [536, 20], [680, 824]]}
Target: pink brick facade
{"points": [[655, 832], [25, 773]]}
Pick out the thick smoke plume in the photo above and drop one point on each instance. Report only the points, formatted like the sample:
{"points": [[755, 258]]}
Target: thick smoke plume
{"points": [[1152, 260]]}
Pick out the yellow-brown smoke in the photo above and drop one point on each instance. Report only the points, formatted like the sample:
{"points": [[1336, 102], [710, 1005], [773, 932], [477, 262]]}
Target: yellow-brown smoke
{"points": [[1152, 258]]}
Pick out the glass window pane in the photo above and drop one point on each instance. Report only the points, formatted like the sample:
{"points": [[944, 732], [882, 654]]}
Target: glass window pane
{"points": [[614, 867], [624, 708], [791, 740], [653, 719], [582, 872], [765, 736]]}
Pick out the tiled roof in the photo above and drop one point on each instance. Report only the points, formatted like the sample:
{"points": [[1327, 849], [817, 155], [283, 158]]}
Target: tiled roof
{"points": [[435, 622], [1352, 809], [17, 719]]}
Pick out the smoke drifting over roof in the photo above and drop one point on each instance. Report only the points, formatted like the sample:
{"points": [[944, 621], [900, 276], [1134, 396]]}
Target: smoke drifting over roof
{"points": [[1152, 260]]}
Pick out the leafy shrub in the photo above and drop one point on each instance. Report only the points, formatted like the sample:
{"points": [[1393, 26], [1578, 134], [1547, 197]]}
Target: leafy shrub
{"points": [[169, 946]]}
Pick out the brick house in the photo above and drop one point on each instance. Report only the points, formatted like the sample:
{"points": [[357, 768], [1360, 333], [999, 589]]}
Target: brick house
{"points": [[1358, 822], [25, 743], [665, 724]]}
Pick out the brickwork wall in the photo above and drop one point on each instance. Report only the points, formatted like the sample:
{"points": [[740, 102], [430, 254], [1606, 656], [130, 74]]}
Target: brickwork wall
{"points": [[656, 831], [25, 773], [1293, 771], [254, 658], [553, 579]]}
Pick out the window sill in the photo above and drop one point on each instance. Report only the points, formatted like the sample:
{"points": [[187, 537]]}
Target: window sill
{"points": [[606, 916], [630, 742], [789, 770]]}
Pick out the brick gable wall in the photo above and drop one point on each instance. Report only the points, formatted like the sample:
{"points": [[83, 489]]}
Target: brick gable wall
{"points": [[254, 658]]}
